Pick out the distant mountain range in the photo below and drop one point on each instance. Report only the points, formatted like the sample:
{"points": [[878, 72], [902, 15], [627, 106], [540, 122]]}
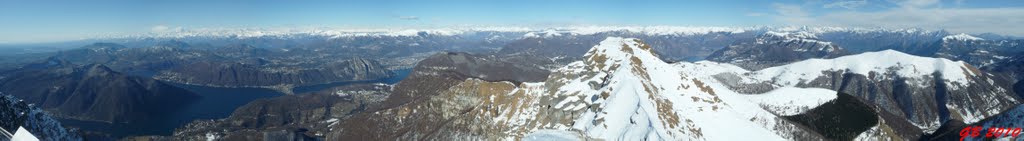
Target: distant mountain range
{"points": [[93, 92], [659, 82]]}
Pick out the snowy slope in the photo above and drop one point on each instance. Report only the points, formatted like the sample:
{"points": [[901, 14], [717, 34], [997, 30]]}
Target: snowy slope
{"points": [[955, 72], [800, 36], [788, 101], [961, 83], [625, 92], [621, 90], [961, 37]]}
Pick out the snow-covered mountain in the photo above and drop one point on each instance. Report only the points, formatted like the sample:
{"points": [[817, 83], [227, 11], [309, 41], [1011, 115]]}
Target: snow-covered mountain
{"points": [[776, 48], [922, 91], [961, 37], [621, 89]]}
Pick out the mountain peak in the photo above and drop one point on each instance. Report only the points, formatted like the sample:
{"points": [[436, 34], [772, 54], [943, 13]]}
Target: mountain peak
{"points": [[961, 37], [797, 36], [613, 51], [902, 64], [98, 70], [104, 47]]}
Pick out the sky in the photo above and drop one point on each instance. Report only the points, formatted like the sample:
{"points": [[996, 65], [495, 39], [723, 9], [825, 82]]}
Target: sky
{"points": [[28, 21]]}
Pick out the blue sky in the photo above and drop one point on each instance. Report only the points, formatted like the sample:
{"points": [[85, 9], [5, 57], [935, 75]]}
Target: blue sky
{"points": [[43, 21]]}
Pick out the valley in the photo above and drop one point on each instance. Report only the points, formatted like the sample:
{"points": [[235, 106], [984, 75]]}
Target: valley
{"points": [[667, 83], [525, 70]]}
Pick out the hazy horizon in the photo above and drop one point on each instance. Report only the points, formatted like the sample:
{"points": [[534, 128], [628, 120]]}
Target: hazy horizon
{"points": [[38, 22]]}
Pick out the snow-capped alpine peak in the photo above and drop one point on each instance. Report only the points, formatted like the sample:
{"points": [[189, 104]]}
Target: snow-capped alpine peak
{"points": [[795, 36], [961, 37]]}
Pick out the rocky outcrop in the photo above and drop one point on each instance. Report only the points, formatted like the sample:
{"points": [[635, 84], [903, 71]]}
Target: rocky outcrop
{"points": [[15, 113]]}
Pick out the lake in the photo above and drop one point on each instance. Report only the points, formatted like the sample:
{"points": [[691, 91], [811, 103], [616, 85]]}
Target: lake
{"points": [[216, 103]]}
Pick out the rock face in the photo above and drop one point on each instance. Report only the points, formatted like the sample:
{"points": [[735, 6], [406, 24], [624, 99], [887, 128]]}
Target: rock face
{"points": [[776, 48], [92, 92], [16, 113]]}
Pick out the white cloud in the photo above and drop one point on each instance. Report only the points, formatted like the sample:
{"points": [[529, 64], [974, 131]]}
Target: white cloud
{"points": [[913, 14], [791, 13], [917, 3], [411, 18], [159, 28], [789, 10], [846, 4], [164, 28]]}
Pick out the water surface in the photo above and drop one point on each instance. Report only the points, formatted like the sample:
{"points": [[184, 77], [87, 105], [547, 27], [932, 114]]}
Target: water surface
{"points": [[216, 103]]}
